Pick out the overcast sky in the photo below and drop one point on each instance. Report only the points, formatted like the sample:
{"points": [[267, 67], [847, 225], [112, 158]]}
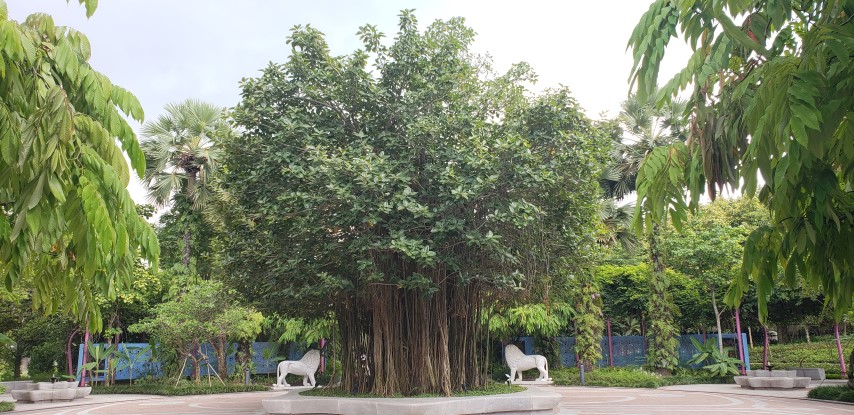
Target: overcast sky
{"points": [[168, 50]]}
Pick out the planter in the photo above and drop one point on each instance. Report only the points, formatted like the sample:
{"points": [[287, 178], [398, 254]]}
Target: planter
{"points": [[533, 401]]}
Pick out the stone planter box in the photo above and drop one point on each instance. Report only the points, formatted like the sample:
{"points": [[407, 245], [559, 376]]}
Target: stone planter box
{"points": [[767, 379], [49, 392], [533, 401], [814, 373]]}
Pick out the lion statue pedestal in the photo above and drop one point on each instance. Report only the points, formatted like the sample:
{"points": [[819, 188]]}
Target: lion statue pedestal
{"points": [[304, 367], [519, 362]]}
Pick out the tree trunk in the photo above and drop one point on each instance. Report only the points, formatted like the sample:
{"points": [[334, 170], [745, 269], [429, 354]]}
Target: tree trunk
{"points": [[807, 332], [191, 188], [222, 364], [662, 351], [399, 341], [718, 321], [16, 365]]}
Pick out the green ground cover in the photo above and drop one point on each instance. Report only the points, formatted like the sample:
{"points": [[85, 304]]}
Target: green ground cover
{"points": [[181, 390], [821, 352], [632, 377]]}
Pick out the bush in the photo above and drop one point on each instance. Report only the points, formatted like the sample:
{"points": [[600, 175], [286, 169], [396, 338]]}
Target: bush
{"points": [[847, 396], [7, 406], [828, 393], [633, 377], [181, 390]]}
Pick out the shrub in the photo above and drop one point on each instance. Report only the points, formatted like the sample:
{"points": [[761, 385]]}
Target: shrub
{"points": [[634, 377], [183, 389], [828, 393], [847, 396], [7, 406]]}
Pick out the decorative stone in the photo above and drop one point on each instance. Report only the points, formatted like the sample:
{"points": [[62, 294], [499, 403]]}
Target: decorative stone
{"points": [[533, 401], [304, 367], [519, 362]]}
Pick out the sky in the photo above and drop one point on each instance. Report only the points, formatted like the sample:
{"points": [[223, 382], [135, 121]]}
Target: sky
{"points": [[165, 51]]}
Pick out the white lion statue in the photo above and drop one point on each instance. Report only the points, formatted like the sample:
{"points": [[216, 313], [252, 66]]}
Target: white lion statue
{"points": [[519, 362], [304, 367]]}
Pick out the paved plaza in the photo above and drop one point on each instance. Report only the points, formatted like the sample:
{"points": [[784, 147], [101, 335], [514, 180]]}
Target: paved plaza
{"points": [[690, 399]]}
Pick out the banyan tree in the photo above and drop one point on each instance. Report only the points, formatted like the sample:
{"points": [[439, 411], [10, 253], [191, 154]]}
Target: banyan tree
{"points": [[401, 187]]}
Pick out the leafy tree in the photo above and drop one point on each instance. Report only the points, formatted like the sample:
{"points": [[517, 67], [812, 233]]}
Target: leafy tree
{"points": [[66, 217], [405, 195], [771, 98], [205, 313], [710, 252], [181, 157]]}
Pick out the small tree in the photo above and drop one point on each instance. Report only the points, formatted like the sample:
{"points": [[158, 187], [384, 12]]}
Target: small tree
{"points": [[205, 313]]}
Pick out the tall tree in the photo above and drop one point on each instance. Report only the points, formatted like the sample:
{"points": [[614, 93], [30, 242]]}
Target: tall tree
{"points": [[645, 129], [772, 98], [181, 157], [403, 195], [66, 217]]}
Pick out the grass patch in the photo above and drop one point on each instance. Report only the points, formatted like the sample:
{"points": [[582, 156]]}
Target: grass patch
{"points": [[490, 389], [821, 352], [7, 406], [172, 390], [632, 377]]}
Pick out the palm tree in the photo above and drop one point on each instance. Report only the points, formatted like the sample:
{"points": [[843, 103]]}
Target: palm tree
{"points": [[181, 158], [644, 128]]}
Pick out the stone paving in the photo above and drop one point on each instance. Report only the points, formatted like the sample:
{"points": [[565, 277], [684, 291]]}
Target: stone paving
{"points": [[693, 400]]}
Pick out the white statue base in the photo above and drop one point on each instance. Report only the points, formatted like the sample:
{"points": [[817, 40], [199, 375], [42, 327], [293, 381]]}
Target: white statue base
{"points": [[277, 387], [534, 382]]}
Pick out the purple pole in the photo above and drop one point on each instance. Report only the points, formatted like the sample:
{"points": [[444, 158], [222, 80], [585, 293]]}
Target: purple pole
{"points": [[611, 345], [738, 340], [839, 349], [765, 350]]}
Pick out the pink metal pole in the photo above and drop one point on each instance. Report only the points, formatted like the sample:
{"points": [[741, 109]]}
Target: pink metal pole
{"points": [[738, 341], [839, 349], [85, 354], [765, 350], [611, 345]]}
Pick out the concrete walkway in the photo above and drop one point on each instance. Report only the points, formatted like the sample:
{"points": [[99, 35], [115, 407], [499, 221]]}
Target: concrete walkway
{"points": [[675, 400]]}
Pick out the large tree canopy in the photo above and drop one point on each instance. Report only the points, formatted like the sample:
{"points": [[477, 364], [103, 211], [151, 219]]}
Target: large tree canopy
{"points": [[65, 214], [773, 98], [402, 194]]}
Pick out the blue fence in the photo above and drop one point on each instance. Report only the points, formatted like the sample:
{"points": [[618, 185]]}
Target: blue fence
{"points": [[142, 363], [631, 350]]}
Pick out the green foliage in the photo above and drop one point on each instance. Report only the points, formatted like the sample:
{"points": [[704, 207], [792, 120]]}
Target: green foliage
{"points": [[528, 319], [6, 406], [206, 312], [399, 183], [172, 390], [301, 330], [798, 119], [66, 218], [632, 377], [820, 352], [717, 362], [182, 156], [828, 393], [589, 324]]}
